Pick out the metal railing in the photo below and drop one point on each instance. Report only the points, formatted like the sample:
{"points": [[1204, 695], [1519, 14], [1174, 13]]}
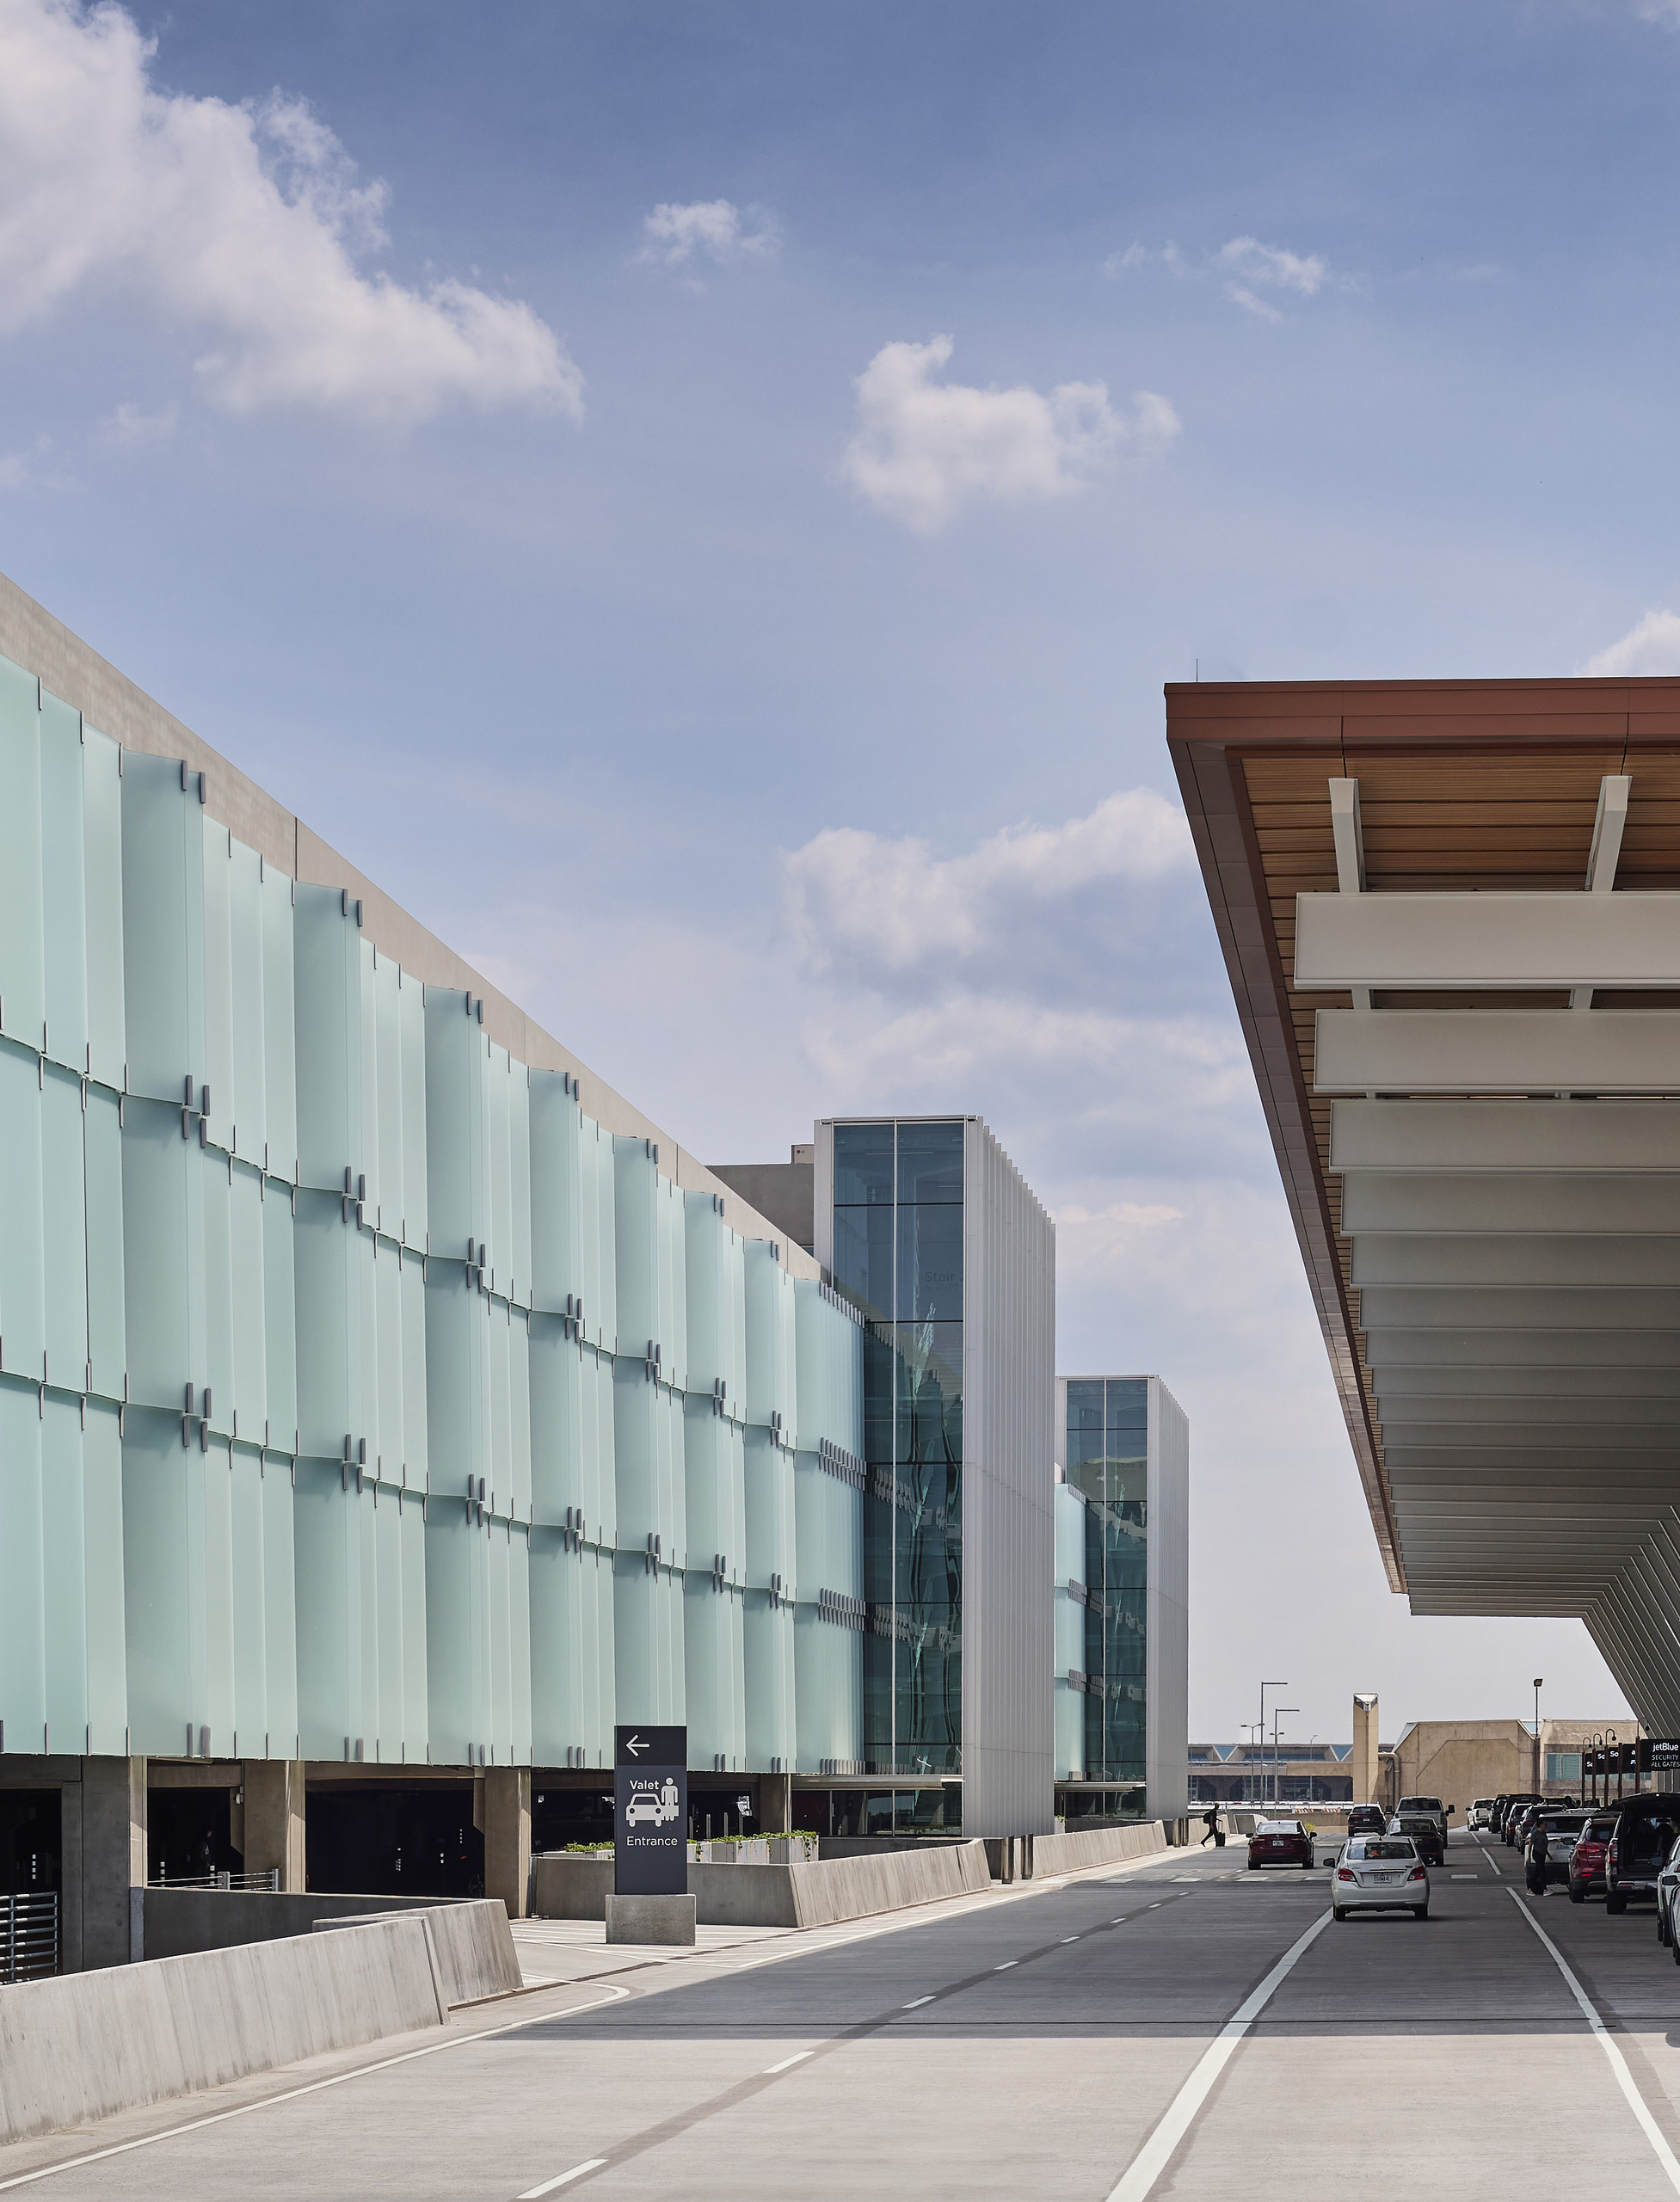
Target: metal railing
{"points": [[29, 1936], [269, 1881]]}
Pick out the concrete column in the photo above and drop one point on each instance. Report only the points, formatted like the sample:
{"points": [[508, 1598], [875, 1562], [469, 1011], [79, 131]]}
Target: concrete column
{"points": [[507, 1836], [113, 1856], [1363, 1761], [275, 1820], [775, 1804]]}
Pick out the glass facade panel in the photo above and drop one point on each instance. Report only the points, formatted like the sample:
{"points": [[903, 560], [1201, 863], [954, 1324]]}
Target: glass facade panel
{"points": [[1107, 1440], [898, 1254]]}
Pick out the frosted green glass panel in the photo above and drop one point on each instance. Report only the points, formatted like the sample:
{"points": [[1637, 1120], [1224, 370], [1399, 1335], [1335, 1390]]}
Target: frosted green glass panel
{"points": [[363, 1509], [279, 1060], [417, 1454], [217, 1070], [454, 1047], [770, 1338], [715, 1715], [65, 932], [22, 969], [413, 1533], [671, 1327], [454, 1655], [63, 1228], [102, 826], [597, 1178], [22, 1284], [499, 1219], [158, 1603], [104, 1590], [328, 1301], [163, 925], [279, 1318], [385, 1181], [828, 1683], [327, 990], [366, 1428], [327, 1559], [162, 1255], [499, 1730], [556, 1262], [519, 1641], [211, 1473], [561, 1650], [245, 1126], [454, 1419], [647, 1642], [519, 1167], [216, 1198], [829, 1370], [390, 1727], [23, 1619], [246, 1493], [279, 1614], [102, 1148], [413, 1223], [392, 1448], [249, 1320], [637, 1243], [519, 1399], [498, 1348], [365, 1151], [768, 1631]]}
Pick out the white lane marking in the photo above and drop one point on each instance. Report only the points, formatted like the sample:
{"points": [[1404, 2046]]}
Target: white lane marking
{"points": [[291, 2094], [916, 2005], [1069, 1938], [1624, 2078], [1153, 2158], [565, 2178], [1488, 1854], [1467, 1876], [1009, 1965], [771, 2071]]}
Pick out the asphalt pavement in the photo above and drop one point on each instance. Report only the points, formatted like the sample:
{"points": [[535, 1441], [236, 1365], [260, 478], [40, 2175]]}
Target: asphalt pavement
{"points": [[1182, 2029]]}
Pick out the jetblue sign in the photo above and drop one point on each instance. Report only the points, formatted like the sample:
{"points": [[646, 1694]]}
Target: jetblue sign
{"points": [[650, 1822]]}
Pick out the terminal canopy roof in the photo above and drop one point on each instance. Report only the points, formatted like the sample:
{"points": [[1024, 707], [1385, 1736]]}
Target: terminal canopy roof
{"points": [[1451, 912]]}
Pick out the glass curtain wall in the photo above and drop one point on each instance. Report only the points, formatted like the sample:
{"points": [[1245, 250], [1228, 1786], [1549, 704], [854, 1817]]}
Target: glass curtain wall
{"points": [[1108, 1429], [898, 1256]]}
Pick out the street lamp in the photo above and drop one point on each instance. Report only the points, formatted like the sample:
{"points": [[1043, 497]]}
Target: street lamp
{"points": [[1538, 1680], [1265, 1686], [1277, 1711]]}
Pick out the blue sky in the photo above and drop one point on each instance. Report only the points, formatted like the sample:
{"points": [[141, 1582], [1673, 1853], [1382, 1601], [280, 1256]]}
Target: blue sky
{"points": [[701, 505]]}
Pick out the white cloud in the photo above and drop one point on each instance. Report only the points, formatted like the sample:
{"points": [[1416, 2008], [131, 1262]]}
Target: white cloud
{"points": [[1244, 266], [675, 235], [242, 222], [891, 904], [1652, 646], [924, 447], [130, 426]]}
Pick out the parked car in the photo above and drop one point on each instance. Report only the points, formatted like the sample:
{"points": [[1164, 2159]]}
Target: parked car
{"points": [[1380, 1872], [1586, 1860], [1480, 1815], [1436, 1810], [1516, 1804], [1518, 1823], [1279, 1842], [1646, 1829], [1668, 1881], [1367, 1819], [1424, 1830], [1563, 1829]]}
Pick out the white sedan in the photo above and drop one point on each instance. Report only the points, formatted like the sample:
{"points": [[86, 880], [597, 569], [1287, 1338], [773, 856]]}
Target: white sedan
{"points": [[1380, 1872]]}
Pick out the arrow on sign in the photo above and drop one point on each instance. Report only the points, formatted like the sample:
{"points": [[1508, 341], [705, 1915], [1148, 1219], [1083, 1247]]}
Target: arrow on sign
{"points": [[634, 1746]]}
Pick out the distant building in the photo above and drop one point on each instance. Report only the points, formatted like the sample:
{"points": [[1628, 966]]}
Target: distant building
{"points": [[1121, 1621], [1252, 1775]]}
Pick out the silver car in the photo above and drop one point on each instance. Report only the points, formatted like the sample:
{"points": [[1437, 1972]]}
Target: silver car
{"points": [[1380, 1872]]}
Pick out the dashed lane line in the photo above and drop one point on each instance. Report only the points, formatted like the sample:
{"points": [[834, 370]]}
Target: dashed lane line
{"points": [[565, 2178]]}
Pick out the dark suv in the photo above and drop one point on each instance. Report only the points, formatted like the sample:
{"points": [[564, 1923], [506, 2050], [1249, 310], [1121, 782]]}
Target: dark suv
{"points": [[1367, 1819], [1646, 1829]]}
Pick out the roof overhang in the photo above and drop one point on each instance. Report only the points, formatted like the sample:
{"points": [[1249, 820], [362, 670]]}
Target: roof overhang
{"points": [[1450, 912]]}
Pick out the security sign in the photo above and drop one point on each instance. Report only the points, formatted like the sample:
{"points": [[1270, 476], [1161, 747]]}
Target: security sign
{"points": [[651, 1827]]}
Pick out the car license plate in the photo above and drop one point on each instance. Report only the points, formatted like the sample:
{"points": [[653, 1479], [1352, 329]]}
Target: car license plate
{"points": [[1382, 1877]]}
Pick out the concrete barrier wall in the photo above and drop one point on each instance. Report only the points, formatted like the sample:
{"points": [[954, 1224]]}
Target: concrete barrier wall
{"points": [[1069, 1853], [814, 1895], [81, 2047], [175, 1923], [471, 1942]]}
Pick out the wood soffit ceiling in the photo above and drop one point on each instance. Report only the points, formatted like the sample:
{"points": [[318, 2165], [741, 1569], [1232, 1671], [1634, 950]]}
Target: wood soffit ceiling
{"points": [[1462, 785]]}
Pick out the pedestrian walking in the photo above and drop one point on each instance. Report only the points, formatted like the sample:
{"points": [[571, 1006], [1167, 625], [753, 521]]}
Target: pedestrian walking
{"points": [[1216, 1833], [1539, 1853]]}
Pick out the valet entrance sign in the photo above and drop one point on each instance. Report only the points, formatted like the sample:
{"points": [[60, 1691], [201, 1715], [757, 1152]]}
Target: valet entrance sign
{"points": [[651, 1820]]}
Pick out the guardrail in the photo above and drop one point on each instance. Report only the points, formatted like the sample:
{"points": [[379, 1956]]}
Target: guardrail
{"points": [[269, 1881], [29, 1936]]}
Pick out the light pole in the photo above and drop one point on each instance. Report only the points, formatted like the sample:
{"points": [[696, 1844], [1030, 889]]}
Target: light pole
{"points": [[1277, 1712], [1538, 1680], [1265, 1686]]}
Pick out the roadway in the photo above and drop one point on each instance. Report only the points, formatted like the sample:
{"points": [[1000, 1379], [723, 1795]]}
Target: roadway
{"points": [[1176, 2029]]}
